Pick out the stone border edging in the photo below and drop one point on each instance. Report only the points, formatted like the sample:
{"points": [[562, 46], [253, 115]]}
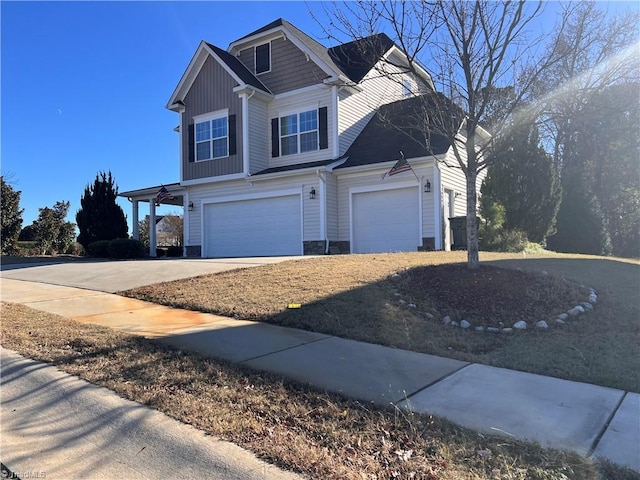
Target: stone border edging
{"points": [[583, 307]]}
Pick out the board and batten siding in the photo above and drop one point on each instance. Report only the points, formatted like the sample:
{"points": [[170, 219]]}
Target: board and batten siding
{"points": [[258, 135], [345, 183], [310, 99], [378, 89], [232, 188], [211, 91], [291, 69]]}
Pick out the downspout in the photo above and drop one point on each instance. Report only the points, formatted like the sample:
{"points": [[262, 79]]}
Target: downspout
{"points": [[437, 206]]}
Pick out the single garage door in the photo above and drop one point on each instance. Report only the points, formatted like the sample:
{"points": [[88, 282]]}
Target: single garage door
{"points": [[253, 228], [386, 221]]}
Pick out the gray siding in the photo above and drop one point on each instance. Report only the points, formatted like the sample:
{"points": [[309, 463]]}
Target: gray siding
{"points": [[290, 68], [211, 91]]}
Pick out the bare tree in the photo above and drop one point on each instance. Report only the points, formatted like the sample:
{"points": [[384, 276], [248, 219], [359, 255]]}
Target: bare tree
{"points": [[471, 50]]}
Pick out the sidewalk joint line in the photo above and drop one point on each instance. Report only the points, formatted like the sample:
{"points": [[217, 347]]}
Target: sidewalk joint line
{"points": [[437, 380], [605, 427], [285, 349]]}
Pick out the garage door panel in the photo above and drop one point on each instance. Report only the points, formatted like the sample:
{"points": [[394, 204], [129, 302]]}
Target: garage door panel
{"points": [[386, 221], [257, 227]]}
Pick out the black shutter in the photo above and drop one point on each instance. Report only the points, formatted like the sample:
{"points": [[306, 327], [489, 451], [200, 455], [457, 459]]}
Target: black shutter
{"points": [[232, 135], [275, 138], [322, 128], [191, 138]]}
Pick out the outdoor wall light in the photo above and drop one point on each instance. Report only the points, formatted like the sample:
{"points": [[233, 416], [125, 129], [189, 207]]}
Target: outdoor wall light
{"points": [[190, 206], [427, 187], [312, 193]]}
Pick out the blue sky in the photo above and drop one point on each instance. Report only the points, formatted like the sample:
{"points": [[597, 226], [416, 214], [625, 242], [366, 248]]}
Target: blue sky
{"points": [[84, 86]]}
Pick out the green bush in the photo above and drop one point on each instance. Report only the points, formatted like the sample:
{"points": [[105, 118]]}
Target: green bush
{"points": [[124, 248], [174, 251], [99, 249], [512, 241]]}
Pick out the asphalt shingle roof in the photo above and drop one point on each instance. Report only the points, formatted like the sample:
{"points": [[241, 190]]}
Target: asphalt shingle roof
{"points": [[395, 127], [357, 58], [238, 68]]}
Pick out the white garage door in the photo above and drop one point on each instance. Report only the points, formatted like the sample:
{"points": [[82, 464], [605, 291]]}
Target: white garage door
{"points": [[253, 228], [386, 221]]}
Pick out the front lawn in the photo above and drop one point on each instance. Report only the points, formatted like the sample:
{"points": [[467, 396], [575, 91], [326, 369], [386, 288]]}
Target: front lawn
{"points": [[360, 297], [317, 434]]}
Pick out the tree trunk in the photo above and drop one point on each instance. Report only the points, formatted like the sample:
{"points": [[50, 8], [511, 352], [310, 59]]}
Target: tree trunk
{"points": [[473, 260], [471, 174]]}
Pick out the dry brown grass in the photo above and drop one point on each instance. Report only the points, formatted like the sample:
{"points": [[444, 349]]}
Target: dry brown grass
{"points": [[354, 297], [300, 429]]}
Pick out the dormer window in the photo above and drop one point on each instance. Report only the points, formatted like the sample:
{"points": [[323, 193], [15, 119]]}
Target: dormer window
{"points": [[263, 58]]}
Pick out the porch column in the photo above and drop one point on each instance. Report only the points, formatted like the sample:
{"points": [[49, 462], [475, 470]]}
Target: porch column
{"points": [[152, 227], [136, 221]]}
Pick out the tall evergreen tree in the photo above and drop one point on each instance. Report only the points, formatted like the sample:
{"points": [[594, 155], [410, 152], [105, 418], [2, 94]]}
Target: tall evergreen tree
{"points": [[522, 179], [11, 216], [581, 227], [100, 217]]}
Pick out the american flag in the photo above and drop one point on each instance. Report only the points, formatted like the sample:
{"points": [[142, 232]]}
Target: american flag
{"points": [[401, 166], [163, 194]]}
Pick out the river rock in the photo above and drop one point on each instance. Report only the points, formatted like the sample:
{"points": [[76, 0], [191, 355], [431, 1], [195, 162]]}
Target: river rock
{"points": [[464, 324], [446, 320], [542, 325], [521, 325]]}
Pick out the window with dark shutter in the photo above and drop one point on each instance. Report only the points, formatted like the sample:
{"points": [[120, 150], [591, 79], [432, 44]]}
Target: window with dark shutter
{"points": [[191, 138], [323, 128], [232, 135], [263, 58]]}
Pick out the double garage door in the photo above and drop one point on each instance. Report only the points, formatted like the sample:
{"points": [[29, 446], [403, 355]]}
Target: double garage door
{"points": [[253, 228], [386, 221]]}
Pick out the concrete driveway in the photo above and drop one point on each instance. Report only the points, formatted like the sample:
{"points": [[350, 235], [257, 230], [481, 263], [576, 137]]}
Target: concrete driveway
{"points": [[114, 276]]}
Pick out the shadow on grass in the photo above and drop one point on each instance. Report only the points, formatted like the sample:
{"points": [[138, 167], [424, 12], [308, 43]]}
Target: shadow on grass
{"points": [[592, 348]]}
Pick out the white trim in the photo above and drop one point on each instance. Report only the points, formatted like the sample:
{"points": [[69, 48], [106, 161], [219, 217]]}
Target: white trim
{"points": [[210, 117], [288, 35], [377, 188], [245, 133], [251, 196], [437, 207], [259, 38], [196, 62], [358, 170], [300, 91], [322, 189], [420, 208], [216, 179], [299, 132], [334, 123], [185, 223], [180, 149]]}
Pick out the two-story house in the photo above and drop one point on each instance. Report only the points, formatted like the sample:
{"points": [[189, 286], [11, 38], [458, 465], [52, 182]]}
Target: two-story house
{"points": [[284, 147]]}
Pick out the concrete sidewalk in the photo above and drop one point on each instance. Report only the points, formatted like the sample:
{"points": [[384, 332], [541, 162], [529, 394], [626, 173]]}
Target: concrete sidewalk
{"points": [[588, 419]]}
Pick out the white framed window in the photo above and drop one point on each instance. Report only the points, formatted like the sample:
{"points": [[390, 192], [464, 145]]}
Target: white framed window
{"points": [[263, 58], [406, 88], [299, 132], [211, 136]]}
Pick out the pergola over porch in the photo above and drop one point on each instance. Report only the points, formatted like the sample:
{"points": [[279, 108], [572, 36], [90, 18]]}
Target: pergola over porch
{"points": [[150, 195]]}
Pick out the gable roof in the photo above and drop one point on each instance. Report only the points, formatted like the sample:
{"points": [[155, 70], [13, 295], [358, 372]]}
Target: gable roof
{"points": [[238, 68], [232, 65], [393, 128], [357, 58]]}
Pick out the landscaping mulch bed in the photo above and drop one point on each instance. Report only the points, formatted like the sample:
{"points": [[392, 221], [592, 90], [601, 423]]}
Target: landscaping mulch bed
{"points": [[491, 295]]}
